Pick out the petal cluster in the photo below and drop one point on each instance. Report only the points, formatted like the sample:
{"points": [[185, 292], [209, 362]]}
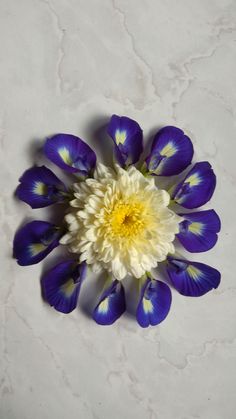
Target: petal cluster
{"points": [[119, 221]]}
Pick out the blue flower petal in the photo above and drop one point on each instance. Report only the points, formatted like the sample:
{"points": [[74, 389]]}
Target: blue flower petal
{"points": [[128, 139], [39, 187], [197, 187], [171, 152], [154, 304], [111, 304], [192, 279], [198, 230], [61, 285], [71, 154], [34, 241]]}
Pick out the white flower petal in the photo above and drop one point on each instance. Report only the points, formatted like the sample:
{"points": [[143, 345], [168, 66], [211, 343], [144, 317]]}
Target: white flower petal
{"points": [[123, 224]]}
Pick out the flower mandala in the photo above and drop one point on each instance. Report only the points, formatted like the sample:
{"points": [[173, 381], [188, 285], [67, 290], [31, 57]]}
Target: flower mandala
{"points": [[118, 220]]}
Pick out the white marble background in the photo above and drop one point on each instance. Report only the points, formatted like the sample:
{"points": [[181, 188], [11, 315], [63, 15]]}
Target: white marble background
{"points": [[66, 66]]}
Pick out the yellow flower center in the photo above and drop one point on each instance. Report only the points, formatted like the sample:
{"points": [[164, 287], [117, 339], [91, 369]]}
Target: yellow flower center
{"points": [[126, 219]]}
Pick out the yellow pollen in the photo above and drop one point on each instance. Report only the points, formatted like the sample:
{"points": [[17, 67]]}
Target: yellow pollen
{"points": [[126, 219]]}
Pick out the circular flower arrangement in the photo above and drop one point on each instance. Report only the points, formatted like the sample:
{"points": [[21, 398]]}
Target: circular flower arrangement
{"points": [[120, 221]]}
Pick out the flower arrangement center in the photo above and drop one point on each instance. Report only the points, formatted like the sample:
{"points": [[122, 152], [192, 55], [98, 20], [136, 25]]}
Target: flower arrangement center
{"points": [[119, 221], [126, 219]]}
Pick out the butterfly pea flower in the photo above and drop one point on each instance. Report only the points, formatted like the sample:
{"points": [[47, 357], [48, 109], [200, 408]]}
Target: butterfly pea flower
{"points": [[61, 285], [154, 303], [39, 187], [192, 279], [71, 154], [198, 230], [128, 139], [111, 304], [197, 187], [34, 241], [121, 221], [171, 152]]}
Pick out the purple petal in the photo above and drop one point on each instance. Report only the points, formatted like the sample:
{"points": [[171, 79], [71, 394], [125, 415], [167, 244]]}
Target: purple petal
{"points": [[197, 187], [198, 230], [71, 154], [39, 187], [171, 152], [111, 304], [154, 304], [192, 279], [61, 285], [35, 241], [128, 139]]}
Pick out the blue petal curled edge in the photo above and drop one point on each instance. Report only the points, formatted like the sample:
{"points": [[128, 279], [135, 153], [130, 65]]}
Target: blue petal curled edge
{"points": [[192, 279], [128, 139], [171, 152], [71, 154], [61, 285], [198, 230], [34, 241], [154, 304], [197, 188], [111, 304], [39, 187]]}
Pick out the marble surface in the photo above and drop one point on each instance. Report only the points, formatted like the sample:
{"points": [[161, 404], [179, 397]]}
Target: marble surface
{"points": [[66, 66]]}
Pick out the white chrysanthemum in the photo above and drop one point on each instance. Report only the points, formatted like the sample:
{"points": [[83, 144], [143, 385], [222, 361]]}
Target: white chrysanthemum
{"points": [[121, 222]]}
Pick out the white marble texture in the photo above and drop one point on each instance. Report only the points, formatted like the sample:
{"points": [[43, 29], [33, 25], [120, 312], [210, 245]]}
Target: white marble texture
{"points": [[66, 66]]}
